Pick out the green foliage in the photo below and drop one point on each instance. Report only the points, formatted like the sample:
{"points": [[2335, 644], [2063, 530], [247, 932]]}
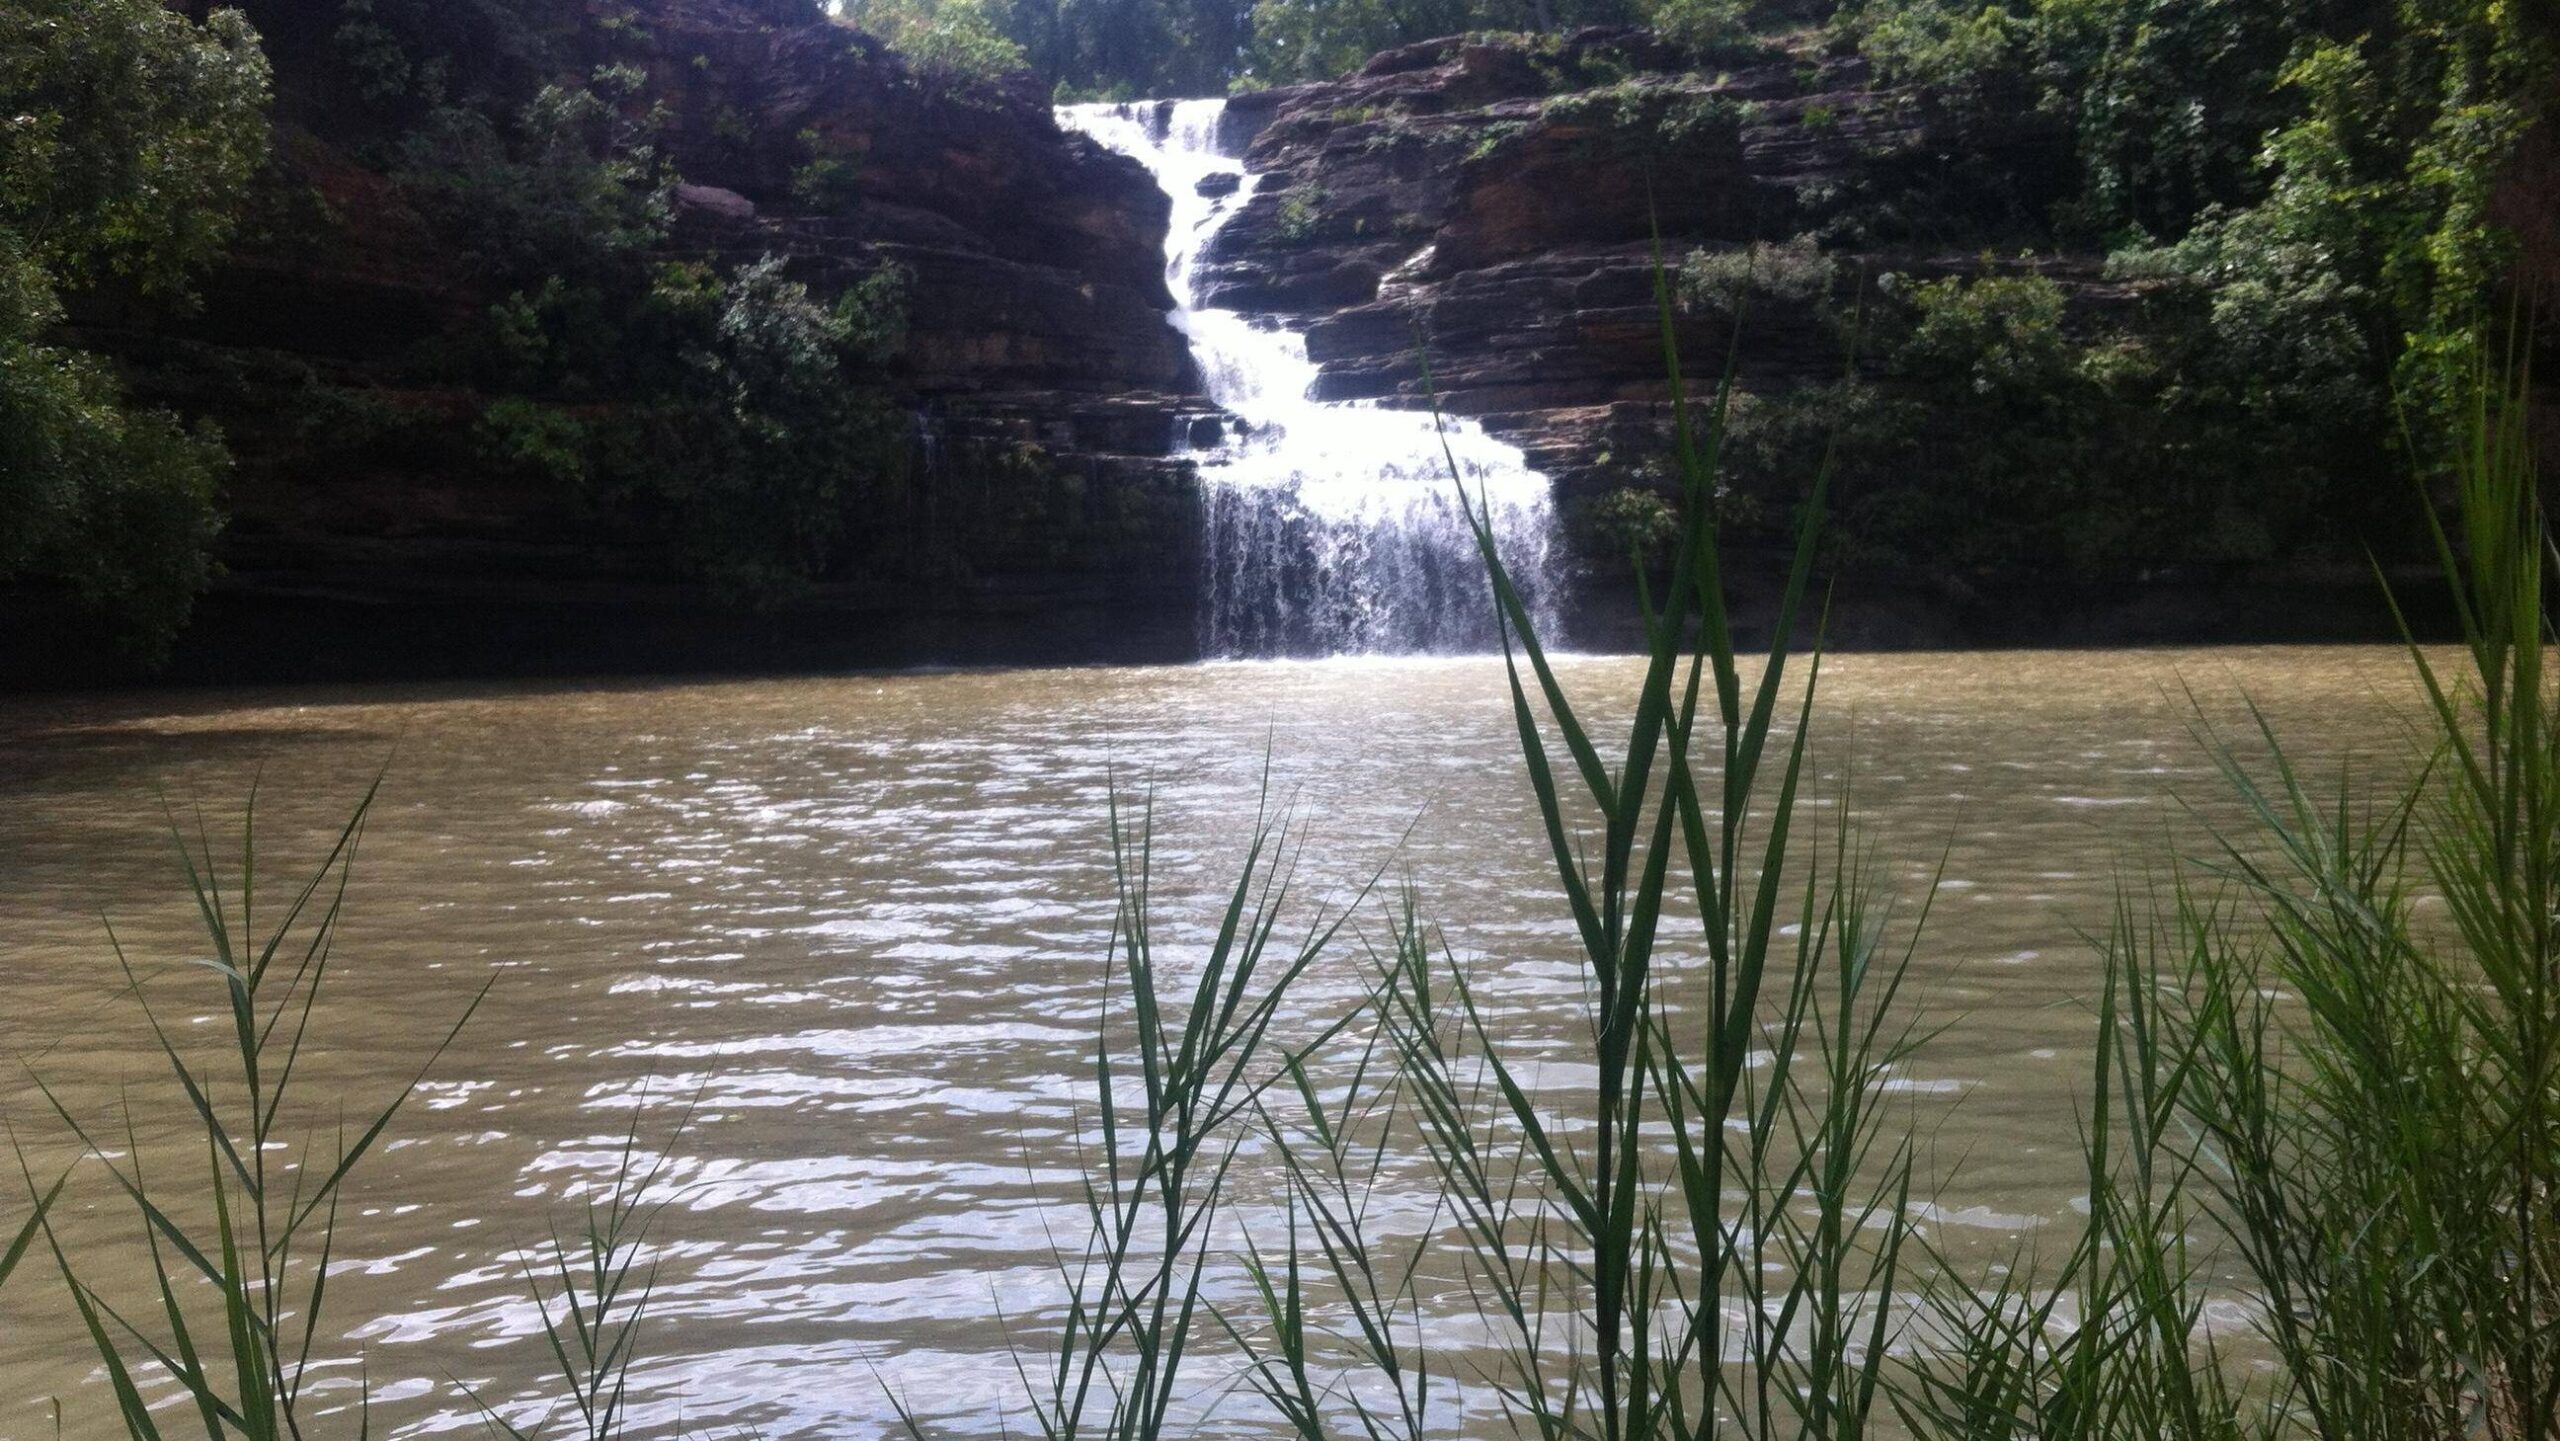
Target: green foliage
{"points": [[871, 315], [232, 1261], [1197, 1045], [774, 442], [1393, 128], [592, 1292], [1998, 436], [2332, 1045], [1723, 281], [1124, 49], [530, 438], [1628, 521], [830, 180], [1647, 116], [575, 183], [738, 418], [29, 1229], [1119, 50], [2300, 186], [955, 37], [1490, 140], [1999, 337], [110, 504], [1704, 26], [1301, 210], [2167, 101], [128, 136], [384, 64], [2322, 167], [1967, 52], [2017, 451], [2371, 252], [1319, 39]]}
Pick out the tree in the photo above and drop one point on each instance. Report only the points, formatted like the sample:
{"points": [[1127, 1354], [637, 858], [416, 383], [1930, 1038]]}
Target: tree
{"points": [[737, 417], [957, 37], [755, 449], [128, 136]]}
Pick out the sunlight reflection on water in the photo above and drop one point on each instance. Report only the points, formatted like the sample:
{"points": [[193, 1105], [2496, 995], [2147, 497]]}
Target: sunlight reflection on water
{"points": [[862, 919]]}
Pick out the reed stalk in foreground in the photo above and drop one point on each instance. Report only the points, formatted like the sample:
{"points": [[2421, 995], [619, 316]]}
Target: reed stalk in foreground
{"points": [[30, 1228], [2331, 1053], [1174, 1069], [2337, 1040], [239, 1251], [591, 1290], [1707, 1240]]}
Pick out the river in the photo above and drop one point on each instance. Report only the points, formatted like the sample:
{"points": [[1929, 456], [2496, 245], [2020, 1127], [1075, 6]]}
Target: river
{"points": [[863, 919]]}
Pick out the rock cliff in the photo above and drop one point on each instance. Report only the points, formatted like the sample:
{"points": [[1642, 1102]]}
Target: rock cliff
{"points": [[1498, 204], [1038, 510]]}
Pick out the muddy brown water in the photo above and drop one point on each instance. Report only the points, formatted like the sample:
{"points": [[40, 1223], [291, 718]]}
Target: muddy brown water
{"points": [[862, 919]]}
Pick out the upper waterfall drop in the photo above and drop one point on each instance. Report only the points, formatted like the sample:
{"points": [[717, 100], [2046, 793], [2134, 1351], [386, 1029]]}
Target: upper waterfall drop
{"points": [[1333, 527]]}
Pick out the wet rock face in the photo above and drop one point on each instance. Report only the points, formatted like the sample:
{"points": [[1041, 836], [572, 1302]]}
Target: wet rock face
{"points": [[1501, 201]]}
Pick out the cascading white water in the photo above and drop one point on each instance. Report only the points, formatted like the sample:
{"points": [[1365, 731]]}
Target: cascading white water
{"points": [[1333, 528]]}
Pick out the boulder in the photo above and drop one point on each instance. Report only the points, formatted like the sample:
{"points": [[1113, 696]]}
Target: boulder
{"points": [[726, 204]]}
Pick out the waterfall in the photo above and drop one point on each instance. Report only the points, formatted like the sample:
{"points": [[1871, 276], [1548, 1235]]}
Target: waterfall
{"points": [[1333, 528]]}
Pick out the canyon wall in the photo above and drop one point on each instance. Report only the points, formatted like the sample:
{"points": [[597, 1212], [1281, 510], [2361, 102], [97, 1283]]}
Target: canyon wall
{"points": [[1480, 219], [1502, 206], [1034, 509]]}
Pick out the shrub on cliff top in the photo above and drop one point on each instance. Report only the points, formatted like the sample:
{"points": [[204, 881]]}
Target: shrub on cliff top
{"points": [[1718, 29], [954, 37], [576, 181], [2324, 165]]}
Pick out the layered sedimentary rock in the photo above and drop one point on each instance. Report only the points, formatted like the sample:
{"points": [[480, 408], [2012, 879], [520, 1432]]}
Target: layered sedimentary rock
{"points": [[1042, 509], [1496, 204]]}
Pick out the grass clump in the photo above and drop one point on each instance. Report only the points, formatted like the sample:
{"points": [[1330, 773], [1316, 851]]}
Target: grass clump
{"points": [[1300, 211], [2334, 1044], [1687, 1237], [238, 1254], [1172, 1074]]}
